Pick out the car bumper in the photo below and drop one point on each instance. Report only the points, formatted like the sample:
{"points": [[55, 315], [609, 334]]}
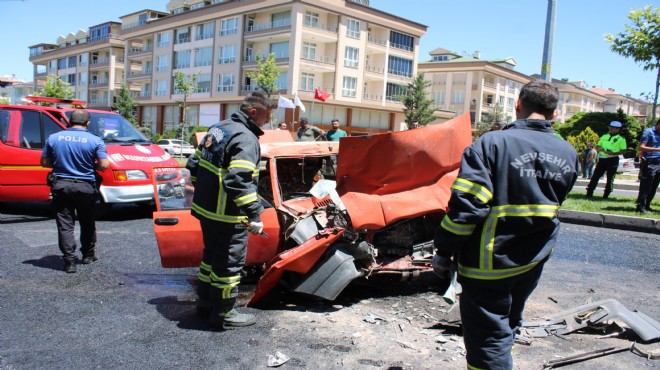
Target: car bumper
{"points": [[127, 194]]}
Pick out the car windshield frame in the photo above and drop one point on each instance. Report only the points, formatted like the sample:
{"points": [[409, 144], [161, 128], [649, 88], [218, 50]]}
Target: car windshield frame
{"points": [[113, 128]]}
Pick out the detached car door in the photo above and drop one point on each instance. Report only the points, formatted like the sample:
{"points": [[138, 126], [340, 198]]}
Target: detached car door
{"points": [[178, 233]]}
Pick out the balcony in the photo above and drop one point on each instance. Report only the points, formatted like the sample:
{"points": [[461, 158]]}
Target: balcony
{"points": [[136, 75], [99, 63], [490, 85], [318, 63], [268, 26], [265, 32], [320, 32], [98, 101], [143, 95], [98, 84], [140, 51]]}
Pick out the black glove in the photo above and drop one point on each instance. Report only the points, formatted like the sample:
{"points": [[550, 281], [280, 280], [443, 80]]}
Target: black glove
{"points": [[441, 266]]}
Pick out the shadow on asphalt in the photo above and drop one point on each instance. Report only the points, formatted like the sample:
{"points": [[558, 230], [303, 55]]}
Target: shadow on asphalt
{"points": [[52, 262], [41, 211], [183, 312]]}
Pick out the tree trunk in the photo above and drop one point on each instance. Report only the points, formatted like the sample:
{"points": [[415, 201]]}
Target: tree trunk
{"points": [[655, 97]]}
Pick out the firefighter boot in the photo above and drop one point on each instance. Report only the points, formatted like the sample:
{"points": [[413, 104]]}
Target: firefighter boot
{"points": [[225, 316], [203, 304]]}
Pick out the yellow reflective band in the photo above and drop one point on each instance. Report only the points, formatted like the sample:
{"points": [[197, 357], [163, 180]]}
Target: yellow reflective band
{"points": [[203, 277], [475, 189], [241, 163], [490, 274], [218, 217], [509, 210], [255, 173], [470, 367], [226, 284], [205, 267], [193, 178], [246, 199], [455, 228]]}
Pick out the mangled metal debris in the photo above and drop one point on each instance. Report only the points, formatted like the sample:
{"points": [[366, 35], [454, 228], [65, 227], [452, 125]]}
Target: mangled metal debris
{"points": [[592, 315]]}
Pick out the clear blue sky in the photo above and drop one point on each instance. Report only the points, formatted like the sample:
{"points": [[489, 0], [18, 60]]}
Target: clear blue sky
{"points": [[498, 29]]}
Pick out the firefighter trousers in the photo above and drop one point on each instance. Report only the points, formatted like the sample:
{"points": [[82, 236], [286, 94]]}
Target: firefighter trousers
{"points": [[225, 248], [491, 313]]}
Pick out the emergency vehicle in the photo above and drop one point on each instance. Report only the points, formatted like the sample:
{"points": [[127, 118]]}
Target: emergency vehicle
{"points": [[24, 130]]}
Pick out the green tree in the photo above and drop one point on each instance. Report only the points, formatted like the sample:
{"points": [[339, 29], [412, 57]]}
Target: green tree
{"points": [[496, 115], [184, 84], [125, 104], [581, 140], [417, 107], [54, 87], [641, 41], [4, 100], [267, 74]]}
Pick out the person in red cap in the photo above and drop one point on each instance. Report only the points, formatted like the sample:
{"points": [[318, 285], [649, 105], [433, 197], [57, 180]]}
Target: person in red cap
{"points": [[609, 147]]}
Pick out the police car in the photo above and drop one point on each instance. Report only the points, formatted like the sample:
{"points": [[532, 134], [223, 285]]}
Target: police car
{"points": [[23, 133]]}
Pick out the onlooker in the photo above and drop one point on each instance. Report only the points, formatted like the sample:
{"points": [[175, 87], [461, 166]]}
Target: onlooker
{"points": [[282, 126], [648, 183], [496, 126], [609, 147], [589, 158], [502, 223], [226, 174], [74, 154], [307, 132], [335, 133], [413, 125]]}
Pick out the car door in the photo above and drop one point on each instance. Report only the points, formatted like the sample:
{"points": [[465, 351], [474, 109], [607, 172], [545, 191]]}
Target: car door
{"points": [[178, 233], [24, 135]]}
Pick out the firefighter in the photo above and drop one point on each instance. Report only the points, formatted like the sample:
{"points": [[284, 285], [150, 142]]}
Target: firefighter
{"points": [[226, 175], [74, 155], [502, 224]]}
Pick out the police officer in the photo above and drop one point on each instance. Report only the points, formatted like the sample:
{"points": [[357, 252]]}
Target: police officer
{"points": [[226, 175], [609, 147], [649, 144], [73, 154], [502, 223]]}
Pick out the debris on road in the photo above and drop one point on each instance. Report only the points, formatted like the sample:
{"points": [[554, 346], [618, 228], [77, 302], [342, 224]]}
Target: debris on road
{"points": [[278, 359], [585, 356]]}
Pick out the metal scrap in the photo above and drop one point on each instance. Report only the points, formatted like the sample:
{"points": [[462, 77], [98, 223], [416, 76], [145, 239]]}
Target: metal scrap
{"points": [[278, 359], [585, 356], [373, 318]]}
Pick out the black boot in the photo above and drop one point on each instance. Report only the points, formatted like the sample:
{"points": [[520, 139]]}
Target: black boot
{"points": [[225, 316], [203, 304]]}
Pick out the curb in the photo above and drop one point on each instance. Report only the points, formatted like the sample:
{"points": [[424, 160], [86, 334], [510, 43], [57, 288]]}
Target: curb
{"points": [[610, 221]]}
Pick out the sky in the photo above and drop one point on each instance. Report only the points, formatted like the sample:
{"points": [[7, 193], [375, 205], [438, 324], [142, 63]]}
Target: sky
{"points": [[497, 29]]}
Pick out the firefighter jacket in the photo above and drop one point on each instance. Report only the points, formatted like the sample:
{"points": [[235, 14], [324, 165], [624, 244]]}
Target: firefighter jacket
{"points": [[502, 216], [225, 171]]}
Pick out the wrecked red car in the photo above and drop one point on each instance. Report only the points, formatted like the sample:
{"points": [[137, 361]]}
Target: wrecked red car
{"points": [[334, 213]]}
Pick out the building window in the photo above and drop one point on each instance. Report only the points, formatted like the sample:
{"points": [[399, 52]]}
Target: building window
{"points": [[182, 35], [307, 81], [311, 19], [72, 62], [438, 97], [440, 58], [281, 82], [82, 78], [71, 79], [309, 50], [99, 32], [393, 91], [163, 39], [204, 56], [204, 31], [228, 26], [401, 41], [349, 86], [61, 63], [182, 59], [280, 19], [353, 29], [509, 104], [203, 83], [162, 63], [400, 66], [500, 101], [227, 54], [197, 6], [82, 60], [280, 49], [351, 57], [225, 82], [458, 97], [160, 88]]}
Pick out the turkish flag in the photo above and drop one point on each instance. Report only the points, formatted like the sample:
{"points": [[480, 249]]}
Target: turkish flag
{"points": [[320, 95]]}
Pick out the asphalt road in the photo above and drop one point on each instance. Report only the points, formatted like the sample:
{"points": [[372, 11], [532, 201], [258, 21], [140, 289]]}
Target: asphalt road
{"points": [[126, 312]]}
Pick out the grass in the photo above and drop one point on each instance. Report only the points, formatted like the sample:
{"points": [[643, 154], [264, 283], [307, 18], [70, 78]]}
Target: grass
{"points": [[615, 205]]}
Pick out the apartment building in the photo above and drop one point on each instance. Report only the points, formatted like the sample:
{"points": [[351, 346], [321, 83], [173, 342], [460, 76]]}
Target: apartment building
{"points": [[630, 106], [462, 83], [358, 54], [91, 61]]}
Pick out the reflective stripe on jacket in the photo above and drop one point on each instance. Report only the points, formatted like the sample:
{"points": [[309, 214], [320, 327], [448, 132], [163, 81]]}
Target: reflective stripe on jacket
{"points": [[225, 171], [502, 218]]}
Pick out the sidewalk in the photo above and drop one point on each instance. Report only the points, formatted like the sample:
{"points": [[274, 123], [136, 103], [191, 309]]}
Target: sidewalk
{"points": [[612, 221]]}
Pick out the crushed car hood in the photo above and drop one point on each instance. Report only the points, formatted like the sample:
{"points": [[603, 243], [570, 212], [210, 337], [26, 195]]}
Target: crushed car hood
{"points": [[387, 177]]}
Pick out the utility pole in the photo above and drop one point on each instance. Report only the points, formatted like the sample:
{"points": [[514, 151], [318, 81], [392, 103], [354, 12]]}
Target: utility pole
{"points": [[547, 44]]}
